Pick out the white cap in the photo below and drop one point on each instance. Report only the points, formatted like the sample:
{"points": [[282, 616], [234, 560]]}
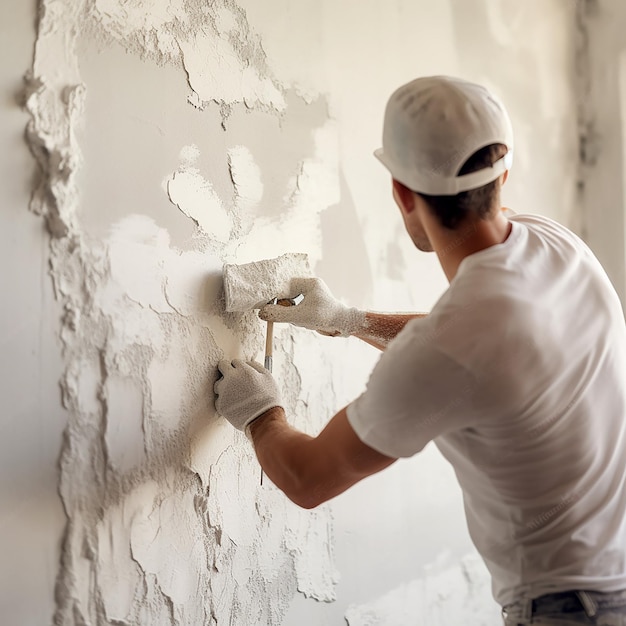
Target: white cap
{"points": [[433, 125]]}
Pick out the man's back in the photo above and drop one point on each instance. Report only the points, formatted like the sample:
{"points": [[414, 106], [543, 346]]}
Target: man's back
{"points": [[519, 376], [543, 465]]}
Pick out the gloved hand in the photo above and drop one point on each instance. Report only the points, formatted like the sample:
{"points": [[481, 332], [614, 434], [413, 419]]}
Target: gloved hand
{"points": [[244, 392], [319, 310]]}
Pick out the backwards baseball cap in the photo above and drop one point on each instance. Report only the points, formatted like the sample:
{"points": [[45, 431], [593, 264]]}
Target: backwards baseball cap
{"points": [[433, 125]]}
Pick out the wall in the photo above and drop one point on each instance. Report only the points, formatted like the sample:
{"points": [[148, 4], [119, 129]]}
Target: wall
{"points": [[172, 137], [32, 419], [602, 88]]}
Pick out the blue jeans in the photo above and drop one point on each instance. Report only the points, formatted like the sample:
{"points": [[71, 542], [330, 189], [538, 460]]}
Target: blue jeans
{"points": [[569, 608]]}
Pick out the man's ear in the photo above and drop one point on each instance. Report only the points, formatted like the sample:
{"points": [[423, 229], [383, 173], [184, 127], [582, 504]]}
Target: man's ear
{"points": [[504, 176], [404, 196]]}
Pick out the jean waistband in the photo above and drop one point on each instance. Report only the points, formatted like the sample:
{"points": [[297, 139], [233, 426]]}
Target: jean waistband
{"points": [[568, 600]]}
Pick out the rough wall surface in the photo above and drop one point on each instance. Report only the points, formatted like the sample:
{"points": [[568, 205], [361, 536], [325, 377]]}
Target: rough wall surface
{"points": [[175, 136]]}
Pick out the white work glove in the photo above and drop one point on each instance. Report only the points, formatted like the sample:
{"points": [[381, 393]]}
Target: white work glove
{"points": [[319, 310], [244, 392]]}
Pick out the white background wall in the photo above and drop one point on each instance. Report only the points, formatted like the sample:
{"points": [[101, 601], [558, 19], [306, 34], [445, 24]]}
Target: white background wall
{"points": [[159, 516], [604, 130], [32, 420]]}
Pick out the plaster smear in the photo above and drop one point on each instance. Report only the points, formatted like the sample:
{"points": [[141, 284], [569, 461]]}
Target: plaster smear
{"points": [[297, 228], [213, 42], [112, 449], [168, 522], [303, 363], [253, 592], [196, 198], [458, 595], [230, 77], [234, 229], [246, 176]]}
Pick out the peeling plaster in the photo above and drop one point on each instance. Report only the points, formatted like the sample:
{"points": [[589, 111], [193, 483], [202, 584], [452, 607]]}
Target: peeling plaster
{"points": [[246, 177], [167, 519], [196, 198], [225, 63]]}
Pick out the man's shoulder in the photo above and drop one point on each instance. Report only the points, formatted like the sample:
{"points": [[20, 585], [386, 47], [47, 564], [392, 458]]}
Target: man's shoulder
{"points": [[542, 224]]}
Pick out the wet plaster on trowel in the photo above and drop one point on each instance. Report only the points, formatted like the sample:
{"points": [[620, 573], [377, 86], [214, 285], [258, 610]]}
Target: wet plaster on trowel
{"points": [[167, 520]]}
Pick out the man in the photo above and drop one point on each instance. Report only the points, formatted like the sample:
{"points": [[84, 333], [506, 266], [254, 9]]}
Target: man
{"points": [[518, 373]]}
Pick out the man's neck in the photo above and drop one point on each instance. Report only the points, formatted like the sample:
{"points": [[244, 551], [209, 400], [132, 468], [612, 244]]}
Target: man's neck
{"points": [[452, 246]]}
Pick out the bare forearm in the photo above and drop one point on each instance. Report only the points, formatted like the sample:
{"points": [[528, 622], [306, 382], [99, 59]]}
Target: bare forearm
{"points": [[281, 451], [312, 470], [381, 328]]}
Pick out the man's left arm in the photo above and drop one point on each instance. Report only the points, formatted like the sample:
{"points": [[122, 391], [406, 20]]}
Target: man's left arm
{"points": [[312, 470], [309, 470]]}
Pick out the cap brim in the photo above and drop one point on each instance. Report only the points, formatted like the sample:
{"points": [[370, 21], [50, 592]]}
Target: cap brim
{"points": [[382, 157], [392, 168], [435, 185]]}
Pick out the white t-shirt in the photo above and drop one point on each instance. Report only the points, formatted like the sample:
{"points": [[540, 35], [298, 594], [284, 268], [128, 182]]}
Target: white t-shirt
{"points": [[519, 376]]}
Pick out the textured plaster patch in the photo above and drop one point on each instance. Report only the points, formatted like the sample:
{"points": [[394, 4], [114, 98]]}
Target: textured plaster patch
{"points": [[124, 423], [168, 522], [246, 177], [228, 79], [55, 98], [223, 61], [261, 575], [166, 540], [315, 573], [114, 555], [196, 198], [125, 19]]}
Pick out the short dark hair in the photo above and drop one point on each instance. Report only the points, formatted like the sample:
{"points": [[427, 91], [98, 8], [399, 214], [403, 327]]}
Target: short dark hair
{"points": [[452, 210]]}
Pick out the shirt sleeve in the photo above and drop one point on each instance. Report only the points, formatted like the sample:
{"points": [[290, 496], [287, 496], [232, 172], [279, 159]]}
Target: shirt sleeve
{"points": [[414, 394]]}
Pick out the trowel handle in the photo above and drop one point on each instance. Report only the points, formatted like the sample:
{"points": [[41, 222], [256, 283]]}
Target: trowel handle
{"points": [[269, 342], [269, 337]]}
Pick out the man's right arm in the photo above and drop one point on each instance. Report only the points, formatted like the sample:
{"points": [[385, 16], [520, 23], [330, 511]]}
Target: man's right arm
{"points": [[319, 310], [381, 328]]}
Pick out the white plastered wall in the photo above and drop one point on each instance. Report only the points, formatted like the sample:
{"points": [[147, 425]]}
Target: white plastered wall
{"points": [[602, 87], [173, 137]]}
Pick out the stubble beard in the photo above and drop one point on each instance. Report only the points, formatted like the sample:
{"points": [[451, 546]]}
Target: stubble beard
{"points": [[423, 244]]}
